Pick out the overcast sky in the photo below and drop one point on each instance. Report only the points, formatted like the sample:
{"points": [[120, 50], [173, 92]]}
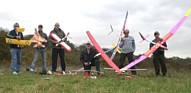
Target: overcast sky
{"points": [[78, 16]]}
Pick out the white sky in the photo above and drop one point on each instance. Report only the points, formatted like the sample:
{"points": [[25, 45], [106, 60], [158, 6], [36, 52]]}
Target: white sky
{"points": [[78, 16]]}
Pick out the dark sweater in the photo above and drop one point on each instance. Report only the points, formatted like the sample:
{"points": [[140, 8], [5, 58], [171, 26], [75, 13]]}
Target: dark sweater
{"points": [[12, 34], [159, 50], [85, 57], [60, 34]]}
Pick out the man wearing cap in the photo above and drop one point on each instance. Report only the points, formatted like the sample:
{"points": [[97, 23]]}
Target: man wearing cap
{"points": [[88, 60], [15, 50], [127, 46], [158, 56], [57, 50], [40, 50]]}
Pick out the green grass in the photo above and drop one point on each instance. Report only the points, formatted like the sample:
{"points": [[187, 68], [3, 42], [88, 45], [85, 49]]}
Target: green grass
{"points": [[144, 82]]}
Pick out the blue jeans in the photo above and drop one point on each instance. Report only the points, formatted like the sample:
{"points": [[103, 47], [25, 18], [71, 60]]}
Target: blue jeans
{"points": [[36, 54], [15, 59]]}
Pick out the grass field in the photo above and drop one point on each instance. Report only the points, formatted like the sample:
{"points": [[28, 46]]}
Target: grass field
{"points": [[109, 82]]}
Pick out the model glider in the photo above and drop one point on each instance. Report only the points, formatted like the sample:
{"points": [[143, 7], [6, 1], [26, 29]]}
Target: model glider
{"points": [[112, 31], [61, 42], [18, 42], [114, 52], [63, 38], [109, 50], [158, 44], [105, 57], [152, 42], [38, 39], [145, 38]]}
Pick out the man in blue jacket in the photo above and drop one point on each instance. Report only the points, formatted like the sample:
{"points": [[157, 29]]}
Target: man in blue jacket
{"points": [[15, 50]]}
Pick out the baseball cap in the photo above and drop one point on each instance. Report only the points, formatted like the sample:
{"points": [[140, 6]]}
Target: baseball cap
{"points": [[88, 43]]}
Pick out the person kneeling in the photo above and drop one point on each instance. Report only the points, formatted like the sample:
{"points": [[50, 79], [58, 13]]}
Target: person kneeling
{"points": [[88, 60]]}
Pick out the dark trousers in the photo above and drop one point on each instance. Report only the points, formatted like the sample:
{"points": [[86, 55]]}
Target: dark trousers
{"points": [[88, 68], [55, 53], [159, 61], [130, 59]]}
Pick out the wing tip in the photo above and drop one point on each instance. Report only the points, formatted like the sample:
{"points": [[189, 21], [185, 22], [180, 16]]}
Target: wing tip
{"points": [[188, 12]]}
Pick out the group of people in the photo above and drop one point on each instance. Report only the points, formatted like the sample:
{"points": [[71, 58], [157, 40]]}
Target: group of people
{"points": [[127, 46], [16, 50]]}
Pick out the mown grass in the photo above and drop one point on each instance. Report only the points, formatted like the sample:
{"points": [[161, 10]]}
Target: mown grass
{"points": [[144, 82]]}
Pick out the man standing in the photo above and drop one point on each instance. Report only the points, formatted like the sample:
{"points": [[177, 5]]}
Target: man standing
{"points": [[57, 50], [127, 46], [158, 56], [15, 50], [40, 50], [88, 60]]}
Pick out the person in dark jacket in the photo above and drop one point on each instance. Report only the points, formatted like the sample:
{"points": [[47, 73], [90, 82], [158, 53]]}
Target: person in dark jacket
{"points": [[15, 50], [88, 60], [158, 56], [40, 50], [57, 50]]}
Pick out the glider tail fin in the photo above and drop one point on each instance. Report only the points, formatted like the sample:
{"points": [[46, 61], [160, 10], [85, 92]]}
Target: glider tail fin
{"points": [[142, 36], [111, 30]]}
